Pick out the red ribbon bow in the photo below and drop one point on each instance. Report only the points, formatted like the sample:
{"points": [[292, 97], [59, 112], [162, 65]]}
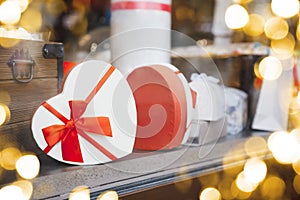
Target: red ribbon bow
{"points": [[68, 132]]}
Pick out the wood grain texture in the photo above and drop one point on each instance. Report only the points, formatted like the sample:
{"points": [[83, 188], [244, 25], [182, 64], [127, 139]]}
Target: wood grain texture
{"points": [[25, 98], [43, 67], [18, 135]]}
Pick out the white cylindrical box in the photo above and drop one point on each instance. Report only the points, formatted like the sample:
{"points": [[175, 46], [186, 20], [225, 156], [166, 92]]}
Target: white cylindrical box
{"points": [[140, 33]]}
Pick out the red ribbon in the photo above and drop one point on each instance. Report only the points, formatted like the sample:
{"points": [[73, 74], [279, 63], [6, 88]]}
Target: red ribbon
{"points": [[68, 132], [131, 5]]}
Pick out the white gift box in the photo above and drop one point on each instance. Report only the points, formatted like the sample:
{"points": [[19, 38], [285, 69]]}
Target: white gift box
{"points": [[164, 106], [140, 33], [236, 110], [210, 103], [93, 120]]}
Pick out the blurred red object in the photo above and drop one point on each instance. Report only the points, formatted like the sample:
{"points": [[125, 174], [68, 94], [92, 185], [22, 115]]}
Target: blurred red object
{"points": [[68, 66]]}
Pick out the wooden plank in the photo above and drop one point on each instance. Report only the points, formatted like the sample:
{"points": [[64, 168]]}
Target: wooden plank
{"points": [[18, 135], [43, 67], [23, 99]]}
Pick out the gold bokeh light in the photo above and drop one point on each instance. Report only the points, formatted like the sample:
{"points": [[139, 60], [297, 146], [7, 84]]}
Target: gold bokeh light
{"points": [[9, 157], [286, 8], [270, 68], [10, 12], [236, 16], [108, 195], [23, 4], [80, 193], [244, 184], [11, 192], [4, 114], [255, 25], [255, 170], [273, 188], [32, 20], [284, 48], [256, 146], [28, 166], [296, 183], [276, 28], [210, 194], [26, 187], [283, 147]]}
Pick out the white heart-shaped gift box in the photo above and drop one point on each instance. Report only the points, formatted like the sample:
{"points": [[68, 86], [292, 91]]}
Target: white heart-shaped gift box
{"points": [[93, 120]]}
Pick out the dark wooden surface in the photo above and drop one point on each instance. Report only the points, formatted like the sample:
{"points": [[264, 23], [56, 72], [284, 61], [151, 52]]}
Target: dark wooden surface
{"points": [[23, 99], [43, 67]]}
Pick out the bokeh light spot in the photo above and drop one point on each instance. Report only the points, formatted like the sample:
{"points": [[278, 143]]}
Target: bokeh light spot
{"points": [[9, 157], [255, 25], [256, 146], [273, 188], [28, 166], [276, 28], [11, 192], [236, 16], [26, 187], [255, 170], [108, 195], [80, 193], [286, 8], [10, 12], [4, 114], [210, 194], [270, 68]]}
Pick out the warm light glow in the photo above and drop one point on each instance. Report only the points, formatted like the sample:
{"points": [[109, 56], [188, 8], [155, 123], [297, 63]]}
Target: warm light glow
{"points": [[285, 8], [236, 16], [80, 193], [26, 188], [255, 25], [32, 20], [270, 68], [9, 157], [209, 180], [273, 188], [255, 170], [11, 192], [23, 4], [296, 183], [210, 194], [284, 48], [284, 147], [10, 12], [234, 155], [242, 1], [224, 187], [255, 146], [276, 28], [244, 184], [296, 166], [237, 193], [4, 114], [28, 166], [108, 195], [184, 186]]}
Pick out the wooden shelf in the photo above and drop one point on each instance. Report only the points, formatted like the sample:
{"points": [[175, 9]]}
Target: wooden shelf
{"points": [[142, 170]]}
